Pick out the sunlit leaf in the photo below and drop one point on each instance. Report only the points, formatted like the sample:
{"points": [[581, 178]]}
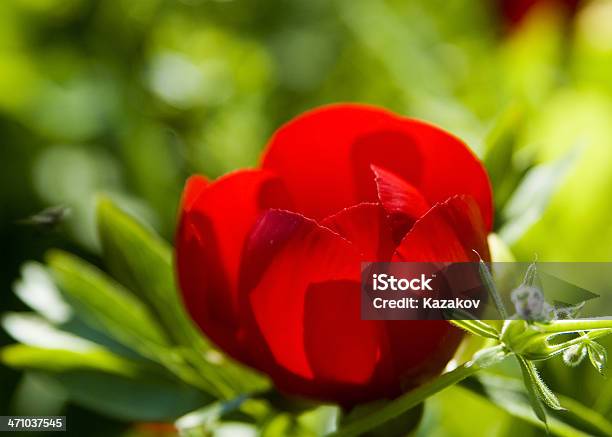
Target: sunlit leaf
{"points": [[477, 327], [36, 289], [107, 304], [532, 196], [598, 356]]}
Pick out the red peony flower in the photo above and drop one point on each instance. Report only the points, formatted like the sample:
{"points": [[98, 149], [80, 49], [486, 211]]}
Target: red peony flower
{"points": [[269, 259]]}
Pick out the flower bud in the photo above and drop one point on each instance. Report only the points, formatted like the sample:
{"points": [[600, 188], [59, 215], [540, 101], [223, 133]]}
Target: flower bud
{"points": [[530, 305]]}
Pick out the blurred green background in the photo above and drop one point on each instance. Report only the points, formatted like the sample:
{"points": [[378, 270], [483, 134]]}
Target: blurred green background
{"points": [[129, 97]]}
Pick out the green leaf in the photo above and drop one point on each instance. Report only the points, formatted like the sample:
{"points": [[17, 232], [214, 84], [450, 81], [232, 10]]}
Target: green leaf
{"points": [[537, 390], [107, 383], [598, 356], [545, 393], [37, 290], [534, 398], [477, 327], [142, 261], [107, 305], [531, 198], [508, 393], [487, 279], [57, 360], [498, 158], [33, 330]]}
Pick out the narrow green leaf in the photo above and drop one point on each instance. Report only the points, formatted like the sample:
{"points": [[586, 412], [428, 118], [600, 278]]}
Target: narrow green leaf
{"points": [[109, 384], [540, 387], [598, 356], [37, 290], [33, 330], [534, 398], [109, 307], [477, 327], [142, 261], [106, 304], [487, 279], [531, 276], [21, 356]]}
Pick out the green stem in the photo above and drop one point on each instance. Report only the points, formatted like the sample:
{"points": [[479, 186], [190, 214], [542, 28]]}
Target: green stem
{"points": [[409, 400], [573, 325]]}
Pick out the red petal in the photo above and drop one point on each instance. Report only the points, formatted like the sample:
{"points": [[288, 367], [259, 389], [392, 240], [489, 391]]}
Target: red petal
{"points": [[214, 223], [312, 155], [286, 254], [449, 232], [366, 226], [402, 201], [193, 188], [325, 157], [339, 345], [419, 350]]}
